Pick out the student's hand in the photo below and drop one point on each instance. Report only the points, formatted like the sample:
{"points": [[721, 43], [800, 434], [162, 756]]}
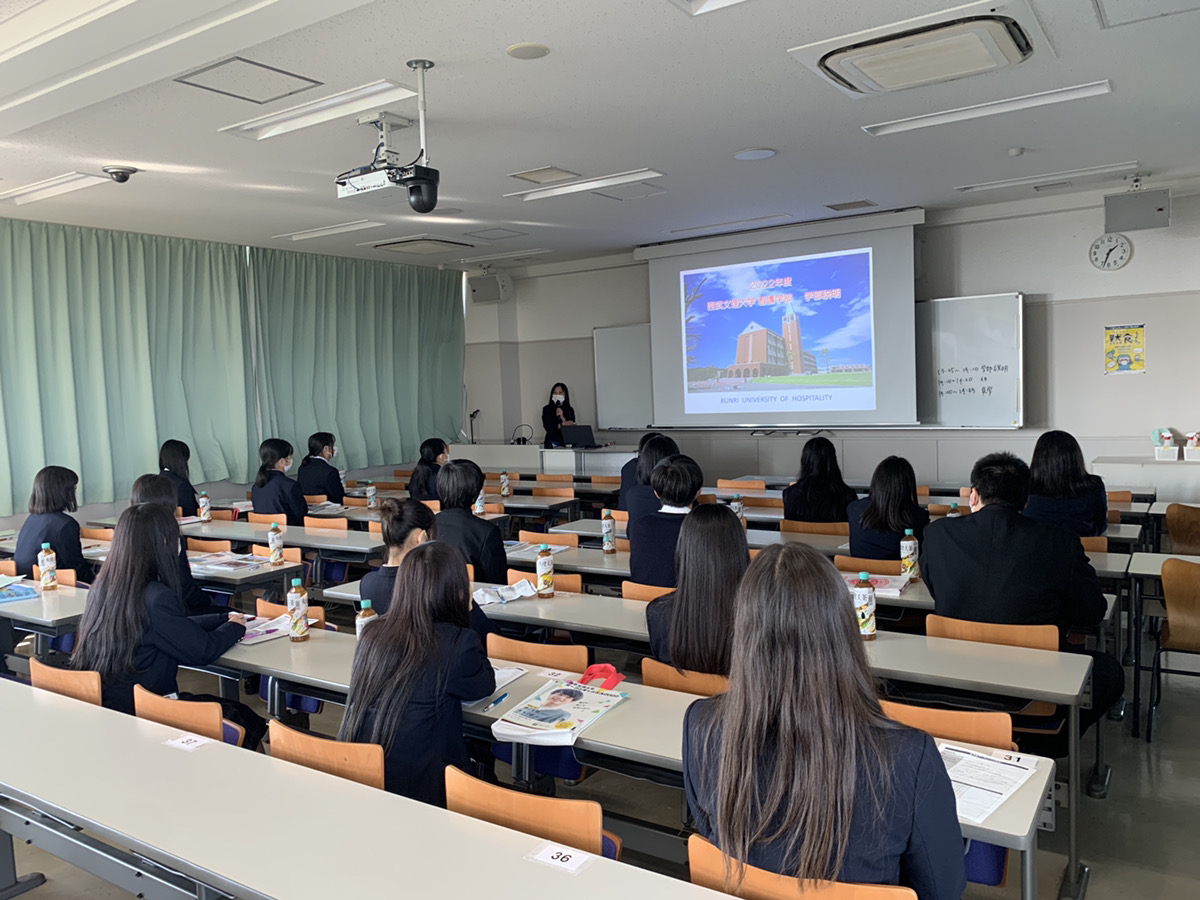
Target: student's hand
{"points": [[238, 617], [560, 413], [572, 422]]}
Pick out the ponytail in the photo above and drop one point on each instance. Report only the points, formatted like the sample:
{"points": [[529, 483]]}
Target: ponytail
{"points": [[270, 451], [401, 518], [317, 442]]}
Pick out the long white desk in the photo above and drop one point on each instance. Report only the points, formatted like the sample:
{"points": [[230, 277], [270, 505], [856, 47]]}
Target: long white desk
{"points": [[138, 804]]}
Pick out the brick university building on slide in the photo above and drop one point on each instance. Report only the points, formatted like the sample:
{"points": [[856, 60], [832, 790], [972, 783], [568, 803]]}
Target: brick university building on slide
{"points": [[761, 352]]}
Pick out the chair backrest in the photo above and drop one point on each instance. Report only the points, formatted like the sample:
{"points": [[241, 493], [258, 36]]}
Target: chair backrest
{"points": [[992, 729], [434, 505], [290, 554], [567, 493], [494, 508], [566, 657], [707, 866], [576, 823], [358, 762], [179, 512], [841, 529], [470, 572], [332, 524], [1181, 593], [632, 590], [266, 518], [570, 584], [660, 675], [622, 545], [1183, 525], [706, 498], [964, 492], [355, 501], [374, 527], [549, 537], [768, 502], [82, 685], [203, 546], [1095, 544], [943, 509], [8, 567], [620, 515], [874, 566], [198, 717], [349, 482], [733, 484], [269, 610], [1120, 496], [310, 499], [224, 515], [402, 473], [96, 534], [391, 485], [922, 490], [754, 551], [554, 479], [1038, 637], [606, 479], [65, 577]]}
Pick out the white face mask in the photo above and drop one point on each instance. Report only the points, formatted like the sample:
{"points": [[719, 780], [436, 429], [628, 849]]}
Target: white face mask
{"points": [[287, 466], [333, 453], [559, 398]]}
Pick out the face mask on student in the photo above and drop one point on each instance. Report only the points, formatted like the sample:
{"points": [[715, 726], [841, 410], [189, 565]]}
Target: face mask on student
{"points": [[333, 453], [559, 398], [287, 466]]}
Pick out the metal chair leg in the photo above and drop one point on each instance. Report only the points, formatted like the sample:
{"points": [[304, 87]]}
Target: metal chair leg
{"points": [[1155, 691]]}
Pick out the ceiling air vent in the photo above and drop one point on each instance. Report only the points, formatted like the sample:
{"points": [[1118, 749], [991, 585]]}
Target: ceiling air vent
{"points": [[422, 245]]}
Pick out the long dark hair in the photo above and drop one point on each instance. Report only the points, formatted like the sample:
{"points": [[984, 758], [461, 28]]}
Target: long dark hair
{"points": [[270, 451], [318, 441], [1057, 469], [652, 453], [145, 548], [154, 489], [174, 455], [893, 496], [800, 714], [710, 559], [566, 395], [421, 481], [819, 484], [395, 654], [54, 490], [400, 518]]}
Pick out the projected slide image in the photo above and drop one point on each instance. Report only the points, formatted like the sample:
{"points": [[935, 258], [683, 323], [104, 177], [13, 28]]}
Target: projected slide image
{"points": [[780, 335]]}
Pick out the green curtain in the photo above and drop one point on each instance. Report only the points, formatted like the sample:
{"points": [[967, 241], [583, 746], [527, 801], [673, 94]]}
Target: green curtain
{"points": [[372, 352]]}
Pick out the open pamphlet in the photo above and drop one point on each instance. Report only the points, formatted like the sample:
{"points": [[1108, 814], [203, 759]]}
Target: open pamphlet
{"points": [[486, 596], [12, 589], [224, 561], [259, 631], [556, 714], [326, 506], [528, 551], [981, 781], [505, 675], [885, 585]]}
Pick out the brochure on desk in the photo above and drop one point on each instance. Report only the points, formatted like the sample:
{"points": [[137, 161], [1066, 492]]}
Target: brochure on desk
{"points": [[12, 589], [886, 586], [556, 714], [224, 561], [526, 551]]}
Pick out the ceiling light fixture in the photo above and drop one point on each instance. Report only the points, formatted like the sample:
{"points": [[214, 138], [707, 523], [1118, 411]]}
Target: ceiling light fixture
{"points": [[994, 108], [752, 153], [365, 98], [52, 187], [590, 184], [1052, 177], [512, 254], [544, 175], [527, 51], [328, 230]]}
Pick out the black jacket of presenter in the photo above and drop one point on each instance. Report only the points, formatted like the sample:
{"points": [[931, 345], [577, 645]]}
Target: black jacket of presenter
{"points": [[551, 424]]}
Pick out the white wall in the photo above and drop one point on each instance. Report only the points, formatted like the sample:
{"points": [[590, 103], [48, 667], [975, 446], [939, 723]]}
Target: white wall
{"points": [[1037, 248]]}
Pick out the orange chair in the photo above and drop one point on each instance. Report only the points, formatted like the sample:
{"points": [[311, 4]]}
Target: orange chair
{"points": [[96, 534], [495, 508], [80, 684], [840, 529], [224, 515], [203, 546], [1183, 526], [1095, 544], [269, 610], [470, 572], [706, 498], [549, 537], [329, 524], [606, 479], [357, 762], [943, 509], [564, 657], [964, 493], [874, 566], [266, 518], [556, 479], [622, 545], [660, 675], [922, 490], [198, 717], [991, 729], [403, 474], [736, 485], [313, 499], [8, 567], [434, 505], [290, 554], [563, 493], [1120, 496], [568, 584], [620, 515], [374, 527], [631, 590], [768, 502], [754, 551], [66, 577], [355, 501], [1180, 631]]}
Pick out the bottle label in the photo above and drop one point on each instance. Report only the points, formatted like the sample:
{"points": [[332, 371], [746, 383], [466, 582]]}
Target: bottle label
{"points": [[864, 609], [609, 531], [738, 508], [362, 622], [908, 557], [297, 604], [372, 496], [205, 509], [480, 503], [505, 487], [275, 545], [545, 574], [48, 563]]}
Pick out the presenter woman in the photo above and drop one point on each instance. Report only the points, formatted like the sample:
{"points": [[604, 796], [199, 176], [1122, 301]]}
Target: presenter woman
{"points": [[557, 413]]}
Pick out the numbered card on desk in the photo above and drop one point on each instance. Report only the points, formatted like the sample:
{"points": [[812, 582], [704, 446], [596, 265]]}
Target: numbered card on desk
{"points": [[981, 782], [556, 714], [561, 857]]}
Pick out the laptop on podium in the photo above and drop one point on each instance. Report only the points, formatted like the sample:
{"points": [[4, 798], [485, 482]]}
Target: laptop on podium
{"points": [[579, 436]]}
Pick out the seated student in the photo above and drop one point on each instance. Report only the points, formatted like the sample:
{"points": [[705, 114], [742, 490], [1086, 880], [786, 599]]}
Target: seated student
{"points": [[273, 492], [999, 566], [413, 671], [317, 473], [159, 489], [422, 485], [641, 500], [878, 521], [652, 538], [173, 459], [134, 630], [819, 494], [459, 483], [796, 769], [1061, 492], [692, 627], [53, 497], [407, 524], [629, 471]]}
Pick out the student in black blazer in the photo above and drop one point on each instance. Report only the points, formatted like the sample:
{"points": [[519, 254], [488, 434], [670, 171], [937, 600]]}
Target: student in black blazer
{"points": [[878, 521], [996, 565], [819, 494], [629, 471], [1061, 492], [317, 474], [53, 497], [407, 524], [774, 748], [273, 492], [422, 485], [134, 629], [557, 413], [173, 459], [412, 672], [676, 481], [640, 499], [459, 483]]}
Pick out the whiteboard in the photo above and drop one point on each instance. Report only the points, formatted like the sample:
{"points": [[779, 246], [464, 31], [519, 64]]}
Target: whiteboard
{"points": [[970, 357], [624, 393]]}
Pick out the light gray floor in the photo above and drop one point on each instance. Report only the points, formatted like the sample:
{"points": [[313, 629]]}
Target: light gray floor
{"points": [[1140, 842]]}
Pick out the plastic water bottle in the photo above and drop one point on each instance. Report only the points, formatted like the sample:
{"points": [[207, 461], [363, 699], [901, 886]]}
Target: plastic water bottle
{"points": [[739, 508], [297, 604], [608, 531], [505, 486], [864, 605], [545, 572], [365, 616], [48, 563], [480, 503], [908, 556], [372, 496], [205, 507], [955, 512], [275, 544]]}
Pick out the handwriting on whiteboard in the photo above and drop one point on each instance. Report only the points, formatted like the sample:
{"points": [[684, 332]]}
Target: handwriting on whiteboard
{"points": [[969, 381]]}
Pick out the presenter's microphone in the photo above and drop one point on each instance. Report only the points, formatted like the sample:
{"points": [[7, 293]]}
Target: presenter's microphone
{"points": [[474, 414]]}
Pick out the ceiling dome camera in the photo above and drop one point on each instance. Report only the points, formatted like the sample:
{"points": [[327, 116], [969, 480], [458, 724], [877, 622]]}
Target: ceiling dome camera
{"points": [[119, 174], [421, 183]]}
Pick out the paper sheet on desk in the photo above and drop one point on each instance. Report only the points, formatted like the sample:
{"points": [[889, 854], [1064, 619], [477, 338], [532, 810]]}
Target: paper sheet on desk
{"points": [[6, 580], [502, 594], [526, 550], [981, 782]]}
